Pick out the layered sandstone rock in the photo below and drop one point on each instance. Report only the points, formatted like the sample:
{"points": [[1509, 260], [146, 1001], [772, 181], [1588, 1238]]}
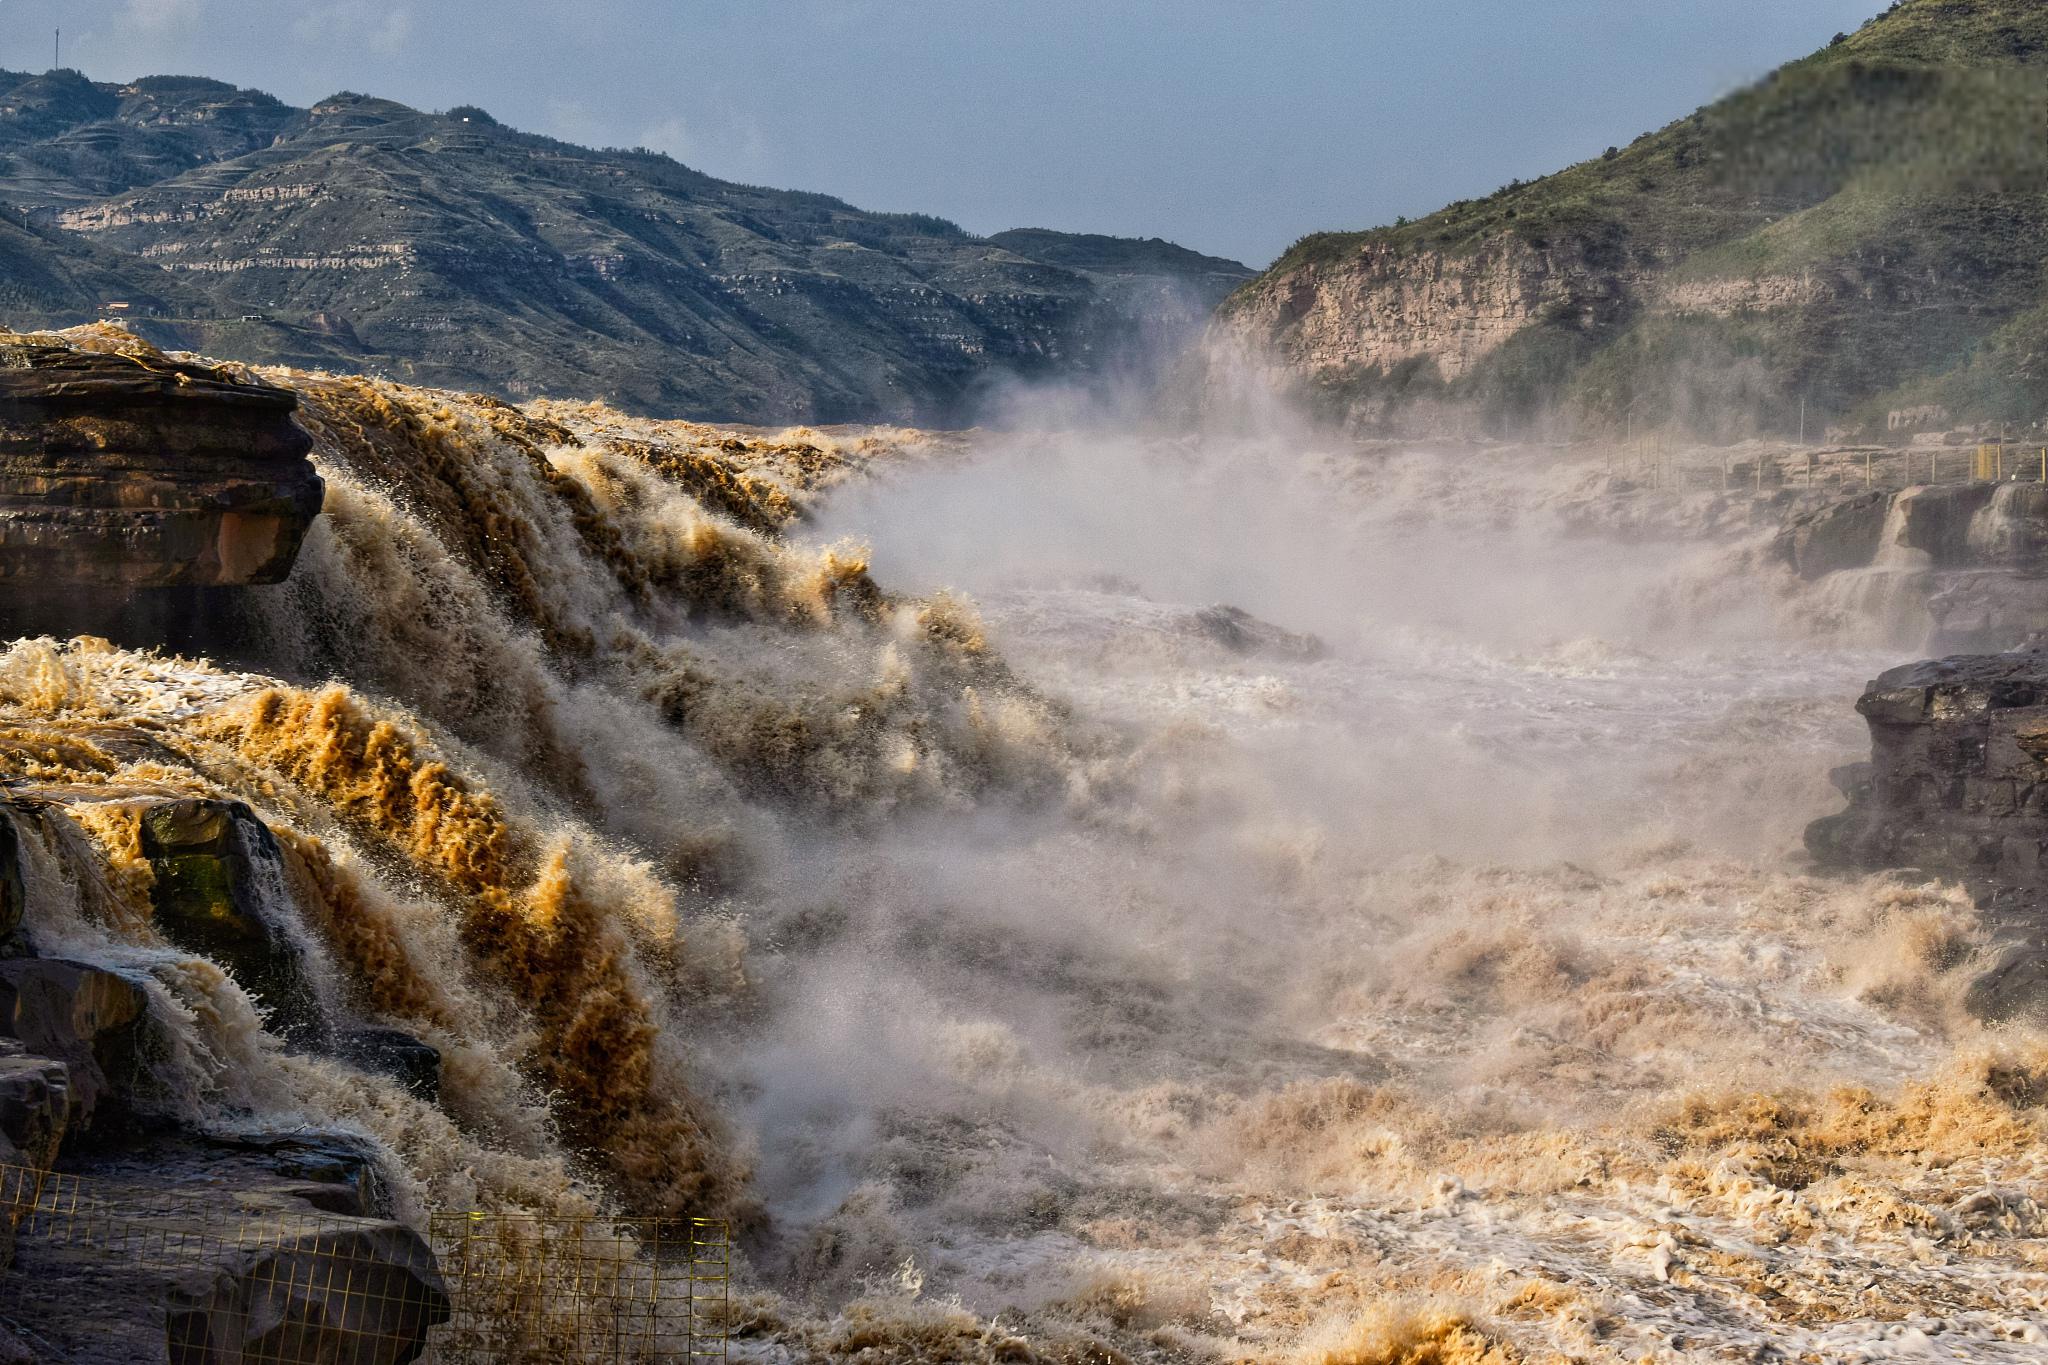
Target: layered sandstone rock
{"points": [[130, 471], [1383, 307]]}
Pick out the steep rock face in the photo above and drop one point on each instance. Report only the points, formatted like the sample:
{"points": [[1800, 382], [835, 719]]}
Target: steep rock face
{"points": [[1861, 231], [13, 889], [90, 1020], [35, 1112], [1966, 562], [1957, 787], [1841, 535], [1957, 784], [1385, 307], [1940, 525], [35, 1107], [124, 473]]}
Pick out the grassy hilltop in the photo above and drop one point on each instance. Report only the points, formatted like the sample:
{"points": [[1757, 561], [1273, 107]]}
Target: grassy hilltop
{"points": [[1865, 228]]}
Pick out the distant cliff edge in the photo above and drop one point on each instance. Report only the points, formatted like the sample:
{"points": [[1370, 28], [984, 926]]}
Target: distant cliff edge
{"points": [[1859, 235]]}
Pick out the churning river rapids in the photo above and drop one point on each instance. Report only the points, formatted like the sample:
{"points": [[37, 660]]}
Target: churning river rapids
{"points": [[1084, 897], [1468, 994]]}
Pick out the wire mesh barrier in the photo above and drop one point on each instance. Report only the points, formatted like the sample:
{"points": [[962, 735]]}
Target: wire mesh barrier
{"points": [[117, 1272], [546, 1290]]}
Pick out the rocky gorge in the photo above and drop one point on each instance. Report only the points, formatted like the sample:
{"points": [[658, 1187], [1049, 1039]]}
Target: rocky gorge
{"points": [[574, 830]]}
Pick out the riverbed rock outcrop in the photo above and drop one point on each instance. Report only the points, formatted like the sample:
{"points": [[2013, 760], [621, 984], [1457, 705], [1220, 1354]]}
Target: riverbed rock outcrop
{"points": [[1957, 782], [1957, 787], [191, 1244], [135, 471], [196, 1251], [91, 1020], [1973, 555]]}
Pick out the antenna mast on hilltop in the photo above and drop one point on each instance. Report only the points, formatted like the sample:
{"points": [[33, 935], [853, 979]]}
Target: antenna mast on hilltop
{"points": [[57, 51]]}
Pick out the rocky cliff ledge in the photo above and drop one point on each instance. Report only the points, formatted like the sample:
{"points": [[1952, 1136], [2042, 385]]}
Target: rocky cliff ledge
{"points": [[1380, 308], [1819, 242], [129, 472], [189, 1242], [1961, 564], [1957, 787]]}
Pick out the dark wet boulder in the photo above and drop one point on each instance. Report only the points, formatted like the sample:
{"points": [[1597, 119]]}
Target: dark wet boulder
{"points": [[1957, 788], [13, 890], [35, 1108], [1841, 535], [92, 1021], [1240, 632], [394, 1053], [219, 891], [2014, 987], [190, 1250], [365, 1294]]}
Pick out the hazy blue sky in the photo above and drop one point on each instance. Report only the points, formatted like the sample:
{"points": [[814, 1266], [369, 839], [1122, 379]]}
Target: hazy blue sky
{"points": [[1233, 126]]}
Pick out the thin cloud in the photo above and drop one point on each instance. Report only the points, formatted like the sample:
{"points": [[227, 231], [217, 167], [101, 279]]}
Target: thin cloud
{"points": [[163, 16], [381, 27]]}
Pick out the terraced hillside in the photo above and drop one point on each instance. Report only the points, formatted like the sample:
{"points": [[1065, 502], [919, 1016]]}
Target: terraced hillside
{"points": [[446, 249]]}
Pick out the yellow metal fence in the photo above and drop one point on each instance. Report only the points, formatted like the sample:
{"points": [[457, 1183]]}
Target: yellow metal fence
{"points": [[1651, 463], [201, 1280]]}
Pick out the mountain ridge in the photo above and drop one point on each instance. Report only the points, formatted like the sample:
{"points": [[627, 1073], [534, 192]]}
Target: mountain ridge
{"points": [[448, 249]]}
